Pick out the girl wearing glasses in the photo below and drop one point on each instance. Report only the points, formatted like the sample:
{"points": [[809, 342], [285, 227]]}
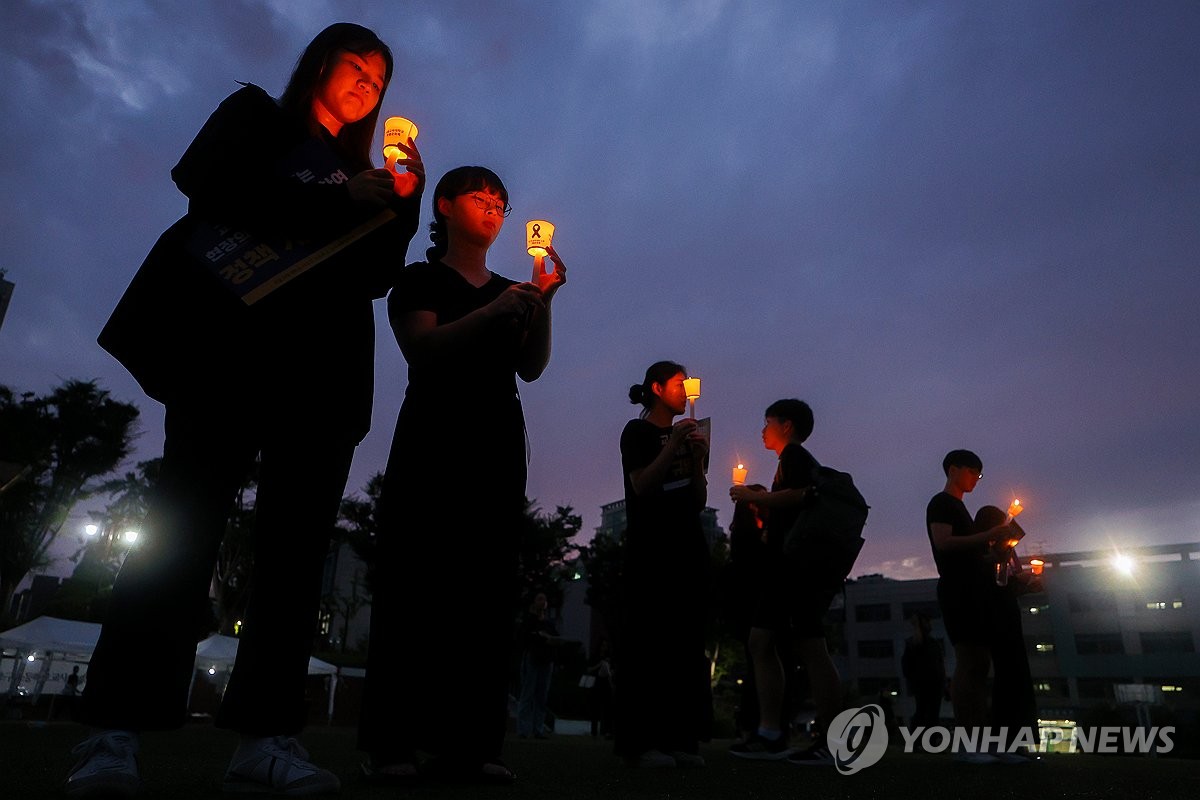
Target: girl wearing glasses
{"points": [[454, 496]]}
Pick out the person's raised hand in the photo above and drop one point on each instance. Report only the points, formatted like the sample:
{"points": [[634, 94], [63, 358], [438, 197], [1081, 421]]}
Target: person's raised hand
{"points": [[412, 180], [551, 282], [517, 301], [372, 188], [681, 432]]}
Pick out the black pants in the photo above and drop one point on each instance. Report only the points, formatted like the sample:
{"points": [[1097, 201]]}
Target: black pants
{"points": [[444, 600], [1014, 704], [139, 675], [663, 699]]}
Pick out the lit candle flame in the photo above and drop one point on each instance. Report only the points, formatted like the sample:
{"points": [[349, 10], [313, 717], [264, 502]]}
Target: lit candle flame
{"points": [[739, 475]]}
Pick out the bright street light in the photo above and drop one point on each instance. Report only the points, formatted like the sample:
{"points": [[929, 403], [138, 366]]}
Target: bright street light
{"points": [[1122, 564]]}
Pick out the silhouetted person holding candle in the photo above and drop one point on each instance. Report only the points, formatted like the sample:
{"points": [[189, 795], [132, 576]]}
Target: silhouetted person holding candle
{"points": [[453, 496], [792, 598], [966, 586], [288, 379], [1014, 705], [663, 701]]}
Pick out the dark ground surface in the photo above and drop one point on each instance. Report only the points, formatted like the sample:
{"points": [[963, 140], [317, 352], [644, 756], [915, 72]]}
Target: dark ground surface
{"points": [[189, 764]]}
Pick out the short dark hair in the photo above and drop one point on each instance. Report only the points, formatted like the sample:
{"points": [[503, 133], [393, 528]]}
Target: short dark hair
{"points": [[796, 412], [961, 458]]}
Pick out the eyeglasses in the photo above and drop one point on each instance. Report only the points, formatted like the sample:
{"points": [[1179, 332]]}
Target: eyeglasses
{"points": [[488, 204]]}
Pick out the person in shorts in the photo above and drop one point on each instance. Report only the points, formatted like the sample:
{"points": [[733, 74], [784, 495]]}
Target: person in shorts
{"points": [[793, 598]]}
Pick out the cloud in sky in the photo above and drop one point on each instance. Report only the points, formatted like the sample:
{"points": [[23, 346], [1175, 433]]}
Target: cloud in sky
{"points": [[944, 225]]}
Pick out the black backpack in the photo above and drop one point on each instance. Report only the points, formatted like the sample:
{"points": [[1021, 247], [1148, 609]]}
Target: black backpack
{"points": [[827, 535]]}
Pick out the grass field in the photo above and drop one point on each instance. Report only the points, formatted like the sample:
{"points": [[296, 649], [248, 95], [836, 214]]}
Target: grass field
{"points": [[189, 764]]}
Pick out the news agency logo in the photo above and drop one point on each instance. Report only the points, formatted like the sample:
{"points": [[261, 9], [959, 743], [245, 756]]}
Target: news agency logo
{"points": [[858, 738]]}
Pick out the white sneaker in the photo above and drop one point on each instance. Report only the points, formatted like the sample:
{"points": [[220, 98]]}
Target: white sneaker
{"points": [[107, 766], [277, 765]]}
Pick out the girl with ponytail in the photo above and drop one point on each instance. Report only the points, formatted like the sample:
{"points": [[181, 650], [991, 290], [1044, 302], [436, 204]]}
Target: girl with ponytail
{"points": [[663, 706]]}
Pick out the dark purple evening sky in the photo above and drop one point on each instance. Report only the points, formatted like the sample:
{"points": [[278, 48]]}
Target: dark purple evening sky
{"points": [[943, 224]]}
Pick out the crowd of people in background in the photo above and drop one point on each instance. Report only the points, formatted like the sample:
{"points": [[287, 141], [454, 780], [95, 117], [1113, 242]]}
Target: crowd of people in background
{"points": [[288, 380]]}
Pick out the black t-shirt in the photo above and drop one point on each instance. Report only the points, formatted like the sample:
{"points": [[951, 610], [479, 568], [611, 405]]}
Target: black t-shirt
{"points": [[795, 471], [666, 551], [671, 502], [963, 566], [484, 371]]}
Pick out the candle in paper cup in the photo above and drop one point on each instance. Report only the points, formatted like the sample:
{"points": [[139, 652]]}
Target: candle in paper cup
{"points": [[538, 236], [739, 475], [1036, 565], [1015, 508], [397, 130], [691, 388]]}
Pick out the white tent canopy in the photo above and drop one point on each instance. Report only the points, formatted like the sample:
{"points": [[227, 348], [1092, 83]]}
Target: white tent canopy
{"points": [[55, 639], [48, 634]]}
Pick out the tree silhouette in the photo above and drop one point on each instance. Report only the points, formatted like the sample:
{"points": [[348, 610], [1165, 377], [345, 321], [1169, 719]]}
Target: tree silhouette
{"points": [[547, 553], [85, 595], [63, 441]]}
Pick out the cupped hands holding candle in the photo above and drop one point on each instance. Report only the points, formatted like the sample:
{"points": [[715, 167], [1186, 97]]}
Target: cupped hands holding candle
{"points": [[748, 493], [399, 149], [539, 234]]}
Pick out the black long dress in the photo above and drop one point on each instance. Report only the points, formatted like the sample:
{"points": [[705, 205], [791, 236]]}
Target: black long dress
{"points": [[446, 584], [290, 378], [663, 701]]}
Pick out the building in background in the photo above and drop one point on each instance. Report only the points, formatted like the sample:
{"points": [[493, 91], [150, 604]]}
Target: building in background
{"points": [[613, 520], [1105, 624]]}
